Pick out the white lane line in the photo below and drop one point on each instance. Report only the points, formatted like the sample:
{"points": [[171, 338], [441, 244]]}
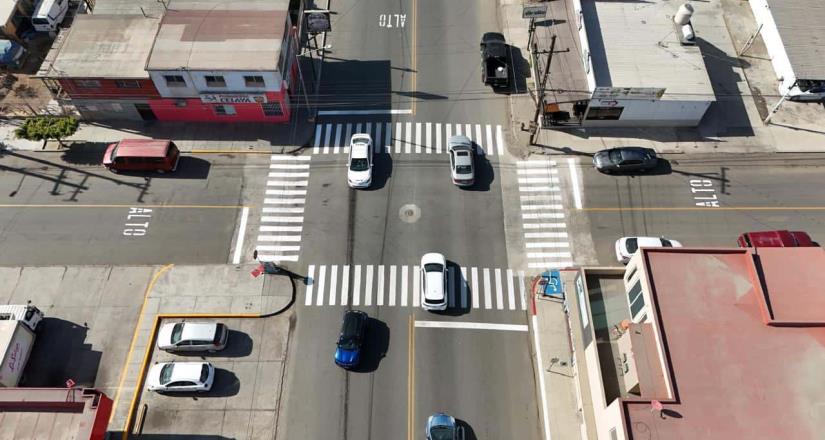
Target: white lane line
{"points": [[522, 297], [368, 286], [574, 179], [487, 146], [500, 140], [268, 248], [488, 130], [270, 219], [469, 131], [286, 192], [348, 137], [289, 157], [338, 132], [540, 215], [549, 255], [550, 265], [416, 276], [540, 369], [539, 188], [288, 166], [429, 136], [463, 288], [393, 279], [418, 137], [279, 238], [471, 325], [397, 137], [536, 171], [333, 284], [547, 244], [544, 225], [317, 147], [388, 136], [236, 258], [376, 147], [319, 299], [344, 285], [276, 258], [451, 287], [380, 283], [540, 207], [488, 292], [327, 134], [511, 291], [282, 210], [499, 291], [408, 139], [404, 275], [449, 128], [458, 129], [311, 285], [526, 180], [368, 131], [287, 182], [280, 228], [356, 286], [545, 235], [474, 287], [540, 198], [395, 111], [438, 137], [292, 201], [535, 163]]}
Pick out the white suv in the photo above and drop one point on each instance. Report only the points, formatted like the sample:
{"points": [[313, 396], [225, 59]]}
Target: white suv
{"points": [[359, 164], [434, 282]]}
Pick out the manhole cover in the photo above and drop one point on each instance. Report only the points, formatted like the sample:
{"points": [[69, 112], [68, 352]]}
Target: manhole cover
{"points": [[409, 213]]}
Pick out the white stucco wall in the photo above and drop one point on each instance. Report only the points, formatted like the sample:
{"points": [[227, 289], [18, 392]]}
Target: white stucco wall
{"points": [[196, 84]]}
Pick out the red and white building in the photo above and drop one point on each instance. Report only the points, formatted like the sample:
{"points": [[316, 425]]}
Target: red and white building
{"points": [[203, 61]]}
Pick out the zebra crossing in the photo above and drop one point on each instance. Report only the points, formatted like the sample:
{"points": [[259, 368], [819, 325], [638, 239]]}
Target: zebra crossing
{"points": [[407, 137], [399, 286], [282, 215], [542, 214]]}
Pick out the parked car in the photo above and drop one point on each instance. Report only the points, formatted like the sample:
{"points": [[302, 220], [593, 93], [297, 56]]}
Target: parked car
{"points": [[434, 281], [193, 336], [462, 158], [142, 155], [494, 60], [359, 164], [775, 239], [179, 377], [627, 246], [353, 329], [441, 426], [625, 159], [11, 54], [49, 14]]}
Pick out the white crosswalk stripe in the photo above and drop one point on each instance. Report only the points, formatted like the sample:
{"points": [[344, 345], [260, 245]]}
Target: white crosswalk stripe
{"points": [[337, 285], [408, 137], [282, 214], [541, 204]]}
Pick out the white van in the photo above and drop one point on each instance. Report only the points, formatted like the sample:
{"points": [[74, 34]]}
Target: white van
{"points": [[49, 14]]}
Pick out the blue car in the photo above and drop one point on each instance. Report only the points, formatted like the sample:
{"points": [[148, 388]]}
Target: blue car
{"points": [[348, 349], [442, 426]]}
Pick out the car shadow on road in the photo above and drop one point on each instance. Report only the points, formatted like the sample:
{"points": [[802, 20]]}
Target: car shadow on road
{"points": [[455, 306], [381, 171], [484, 173], [375, 346], [662, 168], [465, 430], [238, 344], [61, 353]]}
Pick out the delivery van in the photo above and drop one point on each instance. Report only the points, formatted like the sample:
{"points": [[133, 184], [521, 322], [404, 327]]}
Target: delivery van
{"points": [[142, 155], [49, 14], [17, 332]]}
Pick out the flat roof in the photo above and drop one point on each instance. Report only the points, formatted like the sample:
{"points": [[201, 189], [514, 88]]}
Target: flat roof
{"points": [[220, 35], [801, 26], [734, 375], [636, 44], [104, 46], [54, 413], [6, 9]]}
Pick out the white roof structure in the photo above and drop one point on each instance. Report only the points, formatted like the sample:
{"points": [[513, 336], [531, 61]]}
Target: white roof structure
{"points": [[801, 26]]}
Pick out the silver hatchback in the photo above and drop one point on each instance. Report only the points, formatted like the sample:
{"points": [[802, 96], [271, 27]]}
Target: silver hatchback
{"points": [[462, 163], [193, 336]]}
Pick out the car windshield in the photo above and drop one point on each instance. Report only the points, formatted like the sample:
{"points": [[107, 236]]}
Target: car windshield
{"points": [[177, 331], [632, 245], [204, 373], [442, 433], [349, 333], [166, 373], [463, 169], [359, 165], [615, 156], [433, 267]]}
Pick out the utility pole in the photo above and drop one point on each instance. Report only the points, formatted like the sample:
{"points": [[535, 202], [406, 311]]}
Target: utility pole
{"points": [[542, 87]]}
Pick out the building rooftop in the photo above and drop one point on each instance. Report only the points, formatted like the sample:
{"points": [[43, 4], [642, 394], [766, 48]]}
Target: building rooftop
{"points": [[735, 374], [801, 26], [6, 9], [54, 413], [149, 8], [101, 46], [219, 35], [635, 44]]}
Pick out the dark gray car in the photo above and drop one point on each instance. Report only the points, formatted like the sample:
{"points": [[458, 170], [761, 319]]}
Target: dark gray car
{"points": [[625, 159]]}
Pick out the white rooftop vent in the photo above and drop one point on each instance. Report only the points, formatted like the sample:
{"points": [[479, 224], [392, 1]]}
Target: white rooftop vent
{"points": [[684, 14]]}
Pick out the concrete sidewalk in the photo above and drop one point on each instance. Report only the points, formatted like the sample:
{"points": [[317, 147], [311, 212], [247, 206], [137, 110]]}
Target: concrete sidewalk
{"points": [[734, 124]]}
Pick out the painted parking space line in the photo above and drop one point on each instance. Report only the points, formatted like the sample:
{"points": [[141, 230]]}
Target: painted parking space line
{"points": [[471, 325]]}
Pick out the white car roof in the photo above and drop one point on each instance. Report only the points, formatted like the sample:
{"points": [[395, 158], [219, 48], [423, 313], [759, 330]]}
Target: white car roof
{"points": [[648, 241], [359, 150], [435, 286], [191, 330], [190, 371], [433, 257]]}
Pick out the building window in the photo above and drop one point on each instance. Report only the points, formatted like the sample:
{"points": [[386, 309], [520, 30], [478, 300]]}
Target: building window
{"points": [[632, 272], [127, 84], [214, 81], [224, 110], [272, 109], [604, 113], [636, 299], [254, 81], [88, 83], [174, 81]]}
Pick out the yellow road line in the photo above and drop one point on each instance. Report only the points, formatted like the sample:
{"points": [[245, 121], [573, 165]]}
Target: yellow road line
{"points": [[414, 54], [710, 209], [134, 336], [411, 381], [126, 206]]}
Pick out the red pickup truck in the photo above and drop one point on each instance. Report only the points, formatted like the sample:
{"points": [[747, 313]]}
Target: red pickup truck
{"points": [[775, 239]]}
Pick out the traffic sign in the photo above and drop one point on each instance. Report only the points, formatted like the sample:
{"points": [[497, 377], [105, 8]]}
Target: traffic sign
{"points": [[534, 11]]}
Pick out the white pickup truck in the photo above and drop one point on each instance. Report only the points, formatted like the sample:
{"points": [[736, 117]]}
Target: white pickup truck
{"points": [[18, 324]]}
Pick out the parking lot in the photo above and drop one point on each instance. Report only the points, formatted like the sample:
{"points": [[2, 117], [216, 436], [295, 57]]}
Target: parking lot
{"points": [[243, 401]]}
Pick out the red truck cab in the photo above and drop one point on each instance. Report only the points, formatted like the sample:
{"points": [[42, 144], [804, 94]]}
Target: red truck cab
{"points": [[775, 239]]}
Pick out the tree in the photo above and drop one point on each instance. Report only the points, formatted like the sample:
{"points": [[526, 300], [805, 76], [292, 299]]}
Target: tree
{"points": [[43, 128]]}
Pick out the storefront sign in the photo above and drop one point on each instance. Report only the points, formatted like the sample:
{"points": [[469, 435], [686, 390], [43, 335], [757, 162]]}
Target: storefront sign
{"points": [[221, 98], [317, 21], [611, 93], [533, 11]]}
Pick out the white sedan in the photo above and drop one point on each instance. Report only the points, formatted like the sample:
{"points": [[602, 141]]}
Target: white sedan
{"points": [[434, 281], [627, 246], [359, 164], [180, 377]]}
